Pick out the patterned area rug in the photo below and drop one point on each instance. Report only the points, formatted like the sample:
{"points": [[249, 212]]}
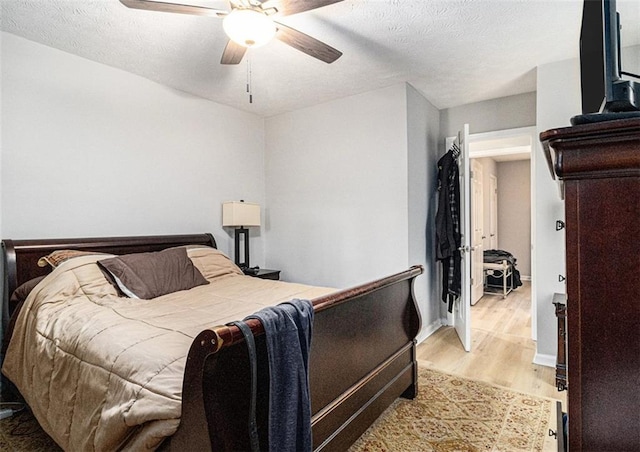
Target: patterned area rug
{"points": [[21, 432], [450, 414], [457, 414]]}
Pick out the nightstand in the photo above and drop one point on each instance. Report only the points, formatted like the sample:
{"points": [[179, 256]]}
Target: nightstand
{"points": [[265, 273]]}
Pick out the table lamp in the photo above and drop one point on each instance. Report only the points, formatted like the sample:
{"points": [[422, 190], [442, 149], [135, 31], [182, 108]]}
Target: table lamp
{"points": [[240, 214]]}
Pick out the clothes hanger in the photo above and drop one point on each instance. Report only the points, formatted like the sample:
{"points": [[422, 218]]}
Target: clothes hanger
{"points": [[455, 150]]}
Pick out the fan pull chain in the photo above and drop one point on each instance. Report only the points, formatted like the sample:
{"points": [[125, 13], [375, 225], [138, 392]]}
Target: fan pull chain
{"points": [[249, 87]]}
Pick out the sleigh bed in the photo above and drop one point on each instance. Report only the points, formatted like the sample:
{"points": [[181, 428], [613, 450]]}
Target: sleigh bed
{"points": [[362, 355]]}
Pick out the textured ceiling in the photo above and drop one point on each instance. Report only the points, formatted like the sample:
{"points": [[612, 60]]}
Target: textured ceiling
{"points": [[453, 51]]}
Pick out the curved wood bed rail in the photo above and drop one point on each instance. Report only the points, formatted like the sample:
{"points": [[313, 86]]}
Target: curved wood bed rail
{"points": [[362, 359], [227, 335]]}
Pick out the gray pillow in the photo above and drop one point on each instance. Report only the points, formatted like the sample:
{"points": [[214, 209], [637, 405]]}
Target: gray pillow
{"points": [[23, 291], [150, 275]]}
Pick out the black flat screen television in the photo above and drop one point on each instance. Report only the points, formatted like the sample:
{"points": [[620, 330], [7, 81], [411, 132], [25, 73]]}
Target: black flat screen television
{"points": [[605, 93]]}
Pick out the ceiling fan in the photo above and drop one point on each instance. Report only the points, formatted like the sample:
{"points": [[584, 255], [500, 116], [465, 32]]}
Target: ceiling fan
{"points": [[250, 24]]}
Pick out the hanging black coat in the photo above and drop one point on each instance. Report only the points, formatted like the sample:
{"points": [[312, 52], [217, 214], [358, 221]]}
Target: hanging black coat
{"points": [[448, 238]]}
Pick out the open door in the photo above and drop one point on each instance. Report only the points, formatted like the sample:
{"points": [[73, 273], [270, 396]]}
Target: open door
{"points": [[493, 233], [477, 231], [462, 307]]}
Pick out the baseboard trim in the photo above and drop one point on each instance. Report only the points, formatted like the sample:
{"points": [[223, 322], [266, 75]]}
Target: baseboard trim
{"points": [[525, 278], [544, 360], [429, 330]]}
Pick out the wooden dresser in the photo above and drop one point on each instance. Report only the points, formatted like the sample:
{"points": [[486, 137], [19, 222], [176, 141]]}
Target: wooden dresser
{"points": [[599, 167]]}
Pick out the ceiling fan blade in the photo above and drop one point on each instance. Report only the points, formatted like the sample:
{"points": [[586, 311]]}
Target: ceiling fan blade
{"points": [[289, 7], [307, 44], [233, 53], [151, 5]]}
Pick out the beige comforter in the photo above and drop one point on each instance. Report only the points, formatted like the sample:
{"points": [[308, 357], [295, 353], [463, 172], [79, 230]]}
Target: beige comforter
{"points": [[105, 373]]}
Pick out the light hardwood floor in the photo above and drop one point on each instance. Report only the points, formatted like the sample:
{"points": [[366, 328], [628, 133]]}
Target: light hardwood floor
{"points": [[501, 347]]}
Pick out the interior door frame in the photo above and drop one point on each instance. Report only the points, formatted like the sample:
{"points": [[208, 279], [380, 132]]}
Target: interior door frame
{"points": [[530, 132], [505, 134]]}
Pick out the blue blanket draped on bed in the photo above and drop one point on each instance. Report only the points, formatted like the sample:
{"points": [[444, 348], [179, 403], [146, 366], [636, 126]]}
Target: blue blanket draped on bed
{"points": [[288, 328]]}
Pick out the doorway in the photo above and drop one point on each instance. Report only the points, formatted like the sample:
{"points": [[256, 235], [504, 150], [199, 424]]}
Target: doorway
{"points": [[502, 145], [507, 161]]}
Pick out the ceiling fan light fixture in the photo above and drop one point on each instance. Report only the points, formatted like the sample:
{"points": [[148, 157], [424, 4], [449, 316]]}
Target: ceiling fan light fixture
{"points": [[249, 28]]}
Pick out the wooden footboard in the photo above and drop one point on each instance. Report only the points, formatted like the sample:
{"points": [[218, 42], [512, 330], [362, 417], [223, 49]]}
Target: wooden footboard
{"points": [[362, 359]]}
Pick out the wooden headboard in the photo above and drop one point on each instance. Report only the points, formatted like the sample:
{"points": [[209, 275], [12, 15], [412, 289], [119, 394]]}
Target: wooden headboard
{"points": [[20, 257]]}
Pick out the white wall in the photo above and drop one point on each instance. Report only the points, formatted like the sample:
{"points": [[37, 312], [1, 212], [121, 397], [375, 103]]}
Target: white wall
{"points": [[89, 150], [423, 130], [503, 113], [350, 190], [558, 99], [336, 188], [630, 60], [514, 212]]}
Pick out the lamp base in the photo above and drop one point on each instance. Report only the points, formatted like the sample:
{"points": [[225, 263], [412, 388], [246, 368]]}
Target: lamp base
{"points": [[244, 234]]}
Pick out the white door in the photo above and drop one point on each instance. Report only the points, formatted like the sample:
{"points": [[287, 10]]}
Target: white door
{"points": [[477, 231], [493, 233], [462, 307]]}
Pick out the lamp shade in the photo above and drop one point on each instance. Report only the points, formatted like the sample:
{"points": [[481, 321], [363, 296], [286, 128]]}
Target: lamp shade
{"points": [[237, 213]]}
